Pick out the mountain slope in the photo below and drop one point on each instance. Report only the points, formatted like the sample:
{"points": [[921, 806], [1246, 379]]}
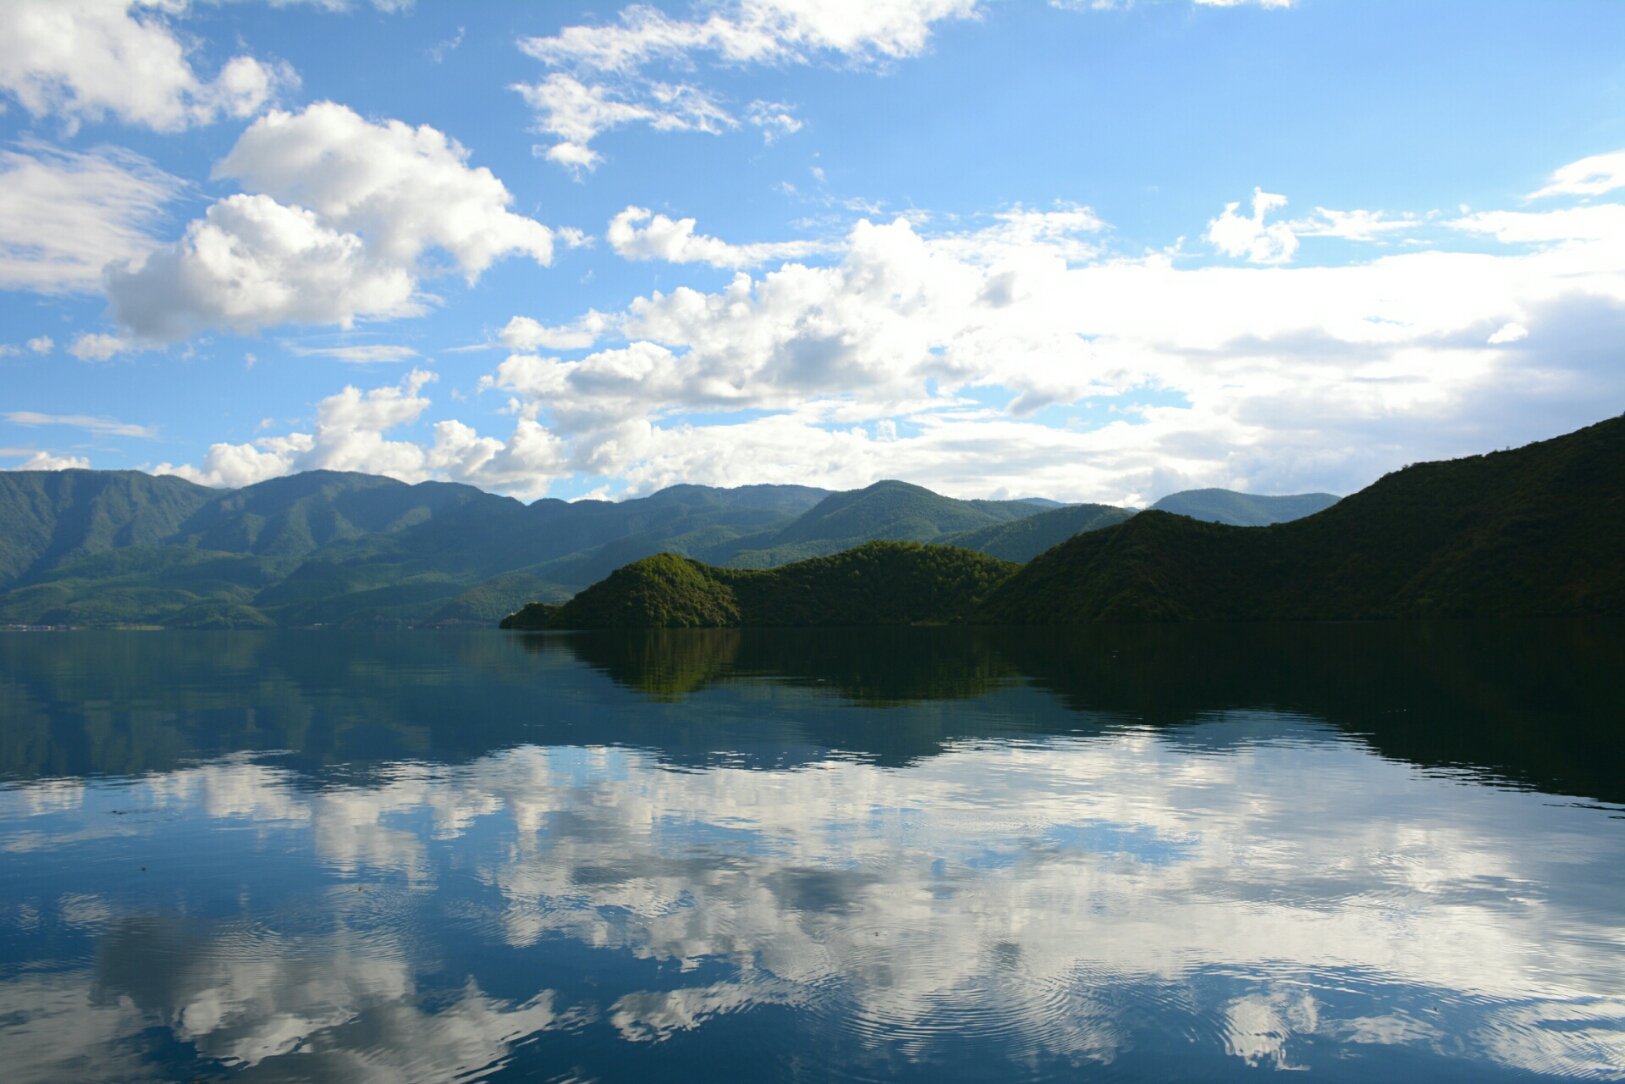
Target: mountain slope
{"points": [[1243, 509], [1537, 530], [1023, 539], [47, 517], [891, 510], [323, 547]]}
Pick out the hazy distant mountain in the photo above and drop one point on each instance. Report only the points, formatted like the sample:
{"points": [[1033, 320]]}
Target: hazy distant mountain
{"points": [[1024, 539], [1243, 509], [1537, 530], [886, 510]]}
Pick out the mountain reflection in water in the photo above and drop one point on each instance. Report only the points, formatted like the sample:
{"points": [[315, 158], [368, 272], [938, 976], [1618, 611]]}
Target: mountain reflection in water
{"points": [[1180, 853]]}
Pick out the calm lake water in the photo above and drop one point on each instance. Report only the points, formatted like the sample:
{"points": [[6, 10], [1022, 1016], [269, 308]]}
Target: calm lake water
{"points": [[1369, 851]]}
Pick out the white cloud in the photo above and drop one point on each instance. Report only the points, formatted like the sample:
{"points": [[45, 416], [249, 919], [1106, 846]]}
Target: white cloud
{"points": [[47, 461], [41, 344], [357, 354], [604, 82], [1161, 376], [96, 347], [404, 190], [341, 219], [639, 234], [64, 214], [111, 427], [577, 113], [1357, 225], [775, 119], [86, 60], [523, 333], [350, 435], [1235, 234], [1593, 176], [251, 263]]}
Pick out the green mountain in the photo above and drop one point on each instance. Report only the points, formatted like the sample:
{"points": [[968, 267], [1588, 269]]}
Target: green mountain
{"points": [[98, 548], [1538, 530], [48, 517], [1243, 509], [878, 583], [1023, 539], [886, 510], [333, 548]]}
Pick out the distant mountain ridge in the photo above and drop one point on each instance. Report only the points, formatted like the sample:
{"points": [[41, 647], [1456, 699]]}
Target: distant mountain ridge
{"points": [[84, 547], [1242, 509]]}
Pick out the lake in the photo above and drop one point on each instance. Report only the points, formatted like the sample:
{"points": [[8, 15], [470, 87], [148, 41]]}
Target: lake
{"points": [[1174, 853]]}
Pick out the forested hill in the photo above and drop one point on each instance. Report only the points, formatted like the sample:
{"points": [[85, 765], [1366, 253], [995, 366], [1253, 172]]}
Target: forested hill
{"points": [[1536, 530], [878, 583]]}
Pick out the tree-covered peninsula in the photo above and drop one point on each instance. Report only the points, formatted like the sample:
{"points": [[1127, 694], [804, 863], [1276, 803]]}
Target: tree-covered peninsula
{"points": [[878, 583]]}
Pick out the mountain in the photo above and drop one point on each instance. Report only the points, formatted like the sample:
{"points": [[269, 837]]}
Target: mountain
{"points": [[324, 547], [1243, 509], [1538, 530], [886, 510], [1023, 539], [878, 583], [337, 548], [47, 517]]}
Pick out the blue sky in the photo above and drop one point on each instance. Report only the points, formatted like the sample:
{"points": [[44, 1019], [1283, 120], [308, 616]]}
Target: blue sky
{"points": [[1089, 251]]}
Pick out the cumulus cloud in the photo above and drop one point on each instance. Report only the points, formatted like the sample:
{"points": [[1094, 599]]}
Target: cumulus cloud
{"points": [[403, 189], [1087, 375], [639, 234], [1235, 234], [65, 214], [523, 333], [41, 344], [97, 347], [1593, 176], [601, 79], [47, 461], [351, 434], [340, 220], [250, 263], [87, 60]]}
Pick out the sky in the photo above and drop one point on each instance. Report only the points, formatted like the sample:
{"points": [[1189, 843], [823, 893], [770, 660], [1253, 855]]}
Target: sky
{"points": [[1089, 250]]}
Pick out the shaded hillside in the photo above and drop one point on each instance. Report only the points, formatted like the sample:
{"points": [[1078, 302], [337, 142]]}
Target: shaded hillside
{"points": [[1024, 539], [1539, 530], [890, 510], [879, 583], [47, 517], [1243, 509]]}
